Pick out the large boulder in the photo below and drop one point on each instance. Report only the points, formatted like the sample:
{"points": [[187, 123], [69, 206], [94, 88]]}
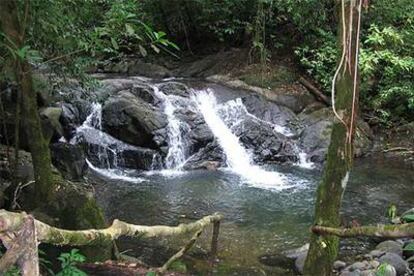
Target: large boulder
{"points": [[396, 261], [316, 131], [269, 111], [69, 159], [133, 120], [265, 142], [102, 150]]}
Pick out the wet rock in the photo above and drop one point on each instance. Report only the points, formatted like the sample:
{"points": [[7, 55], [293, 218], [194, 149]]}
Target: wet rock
{"points": [[376, 253], [359, 266], [339, 265], [70, 120], [369, 272], [268, 111], [350, 273], [132, 120], [390, 247], [300, 262], [144, 92], [69, 160], [174, 88], [267, 144], [52, 129], [105, 151], [278, 260], [148, 69], [296, 252], [387, 270], [316, 134], [396, 261]]}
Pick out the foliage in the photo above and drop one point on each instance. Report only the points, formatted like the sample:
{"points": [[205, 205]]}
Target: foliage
{"points": [[385, 269], [69, 262], [386, 60]]}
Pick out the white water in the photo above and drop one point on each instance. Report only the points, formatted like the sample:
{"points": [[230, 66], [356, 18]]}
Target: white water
{"points": [[176, 156], [238, 159], [92, 128], [234, 111], [114, 174]]}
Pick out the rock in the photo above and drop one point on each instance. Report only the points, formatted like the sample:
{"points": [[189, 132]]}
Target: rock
{"points": [[70, 120], [148, 70], [316, 134], [269, 111], [144, 92], [350, 273], [267, 144], [278, 260], [396, 261], [174, 88], [300, 262], [376, 253], [368, 273], [390, 247], [296, 252], [358, 266], [386, 270], [339, 265], [69, 160], [103, 150], [52, 129], [374, 264], [210, 165], [133, 120]]}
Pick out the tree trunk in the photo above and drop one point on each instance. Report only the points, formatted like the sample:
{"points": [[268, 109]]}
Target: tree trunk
{"points": [[323, 249], [38, 145]]}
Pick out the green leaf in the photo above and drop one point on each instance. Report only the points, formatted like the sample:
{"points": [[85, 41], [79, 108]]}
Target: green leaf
{"points": [[408, 218], [142, 51], [155, 48], [150, 273], [129, 29], [114, 44]]}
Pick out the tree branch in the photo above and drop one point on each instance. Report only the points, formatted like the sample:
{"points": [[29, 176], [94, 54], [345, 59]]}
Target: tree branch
{"points": [[385, 231]]}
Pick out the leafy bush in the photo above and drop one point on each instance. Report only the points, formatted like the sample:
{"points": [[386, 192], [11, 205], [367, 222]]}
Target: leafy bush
{"points": [[69, 262]]}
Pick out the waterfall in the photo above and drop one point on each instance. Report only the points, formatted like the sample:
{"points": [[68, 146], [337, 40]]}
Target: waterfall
{"points": [[238, 159], [109, 147], [176, 156], [234, 111]]}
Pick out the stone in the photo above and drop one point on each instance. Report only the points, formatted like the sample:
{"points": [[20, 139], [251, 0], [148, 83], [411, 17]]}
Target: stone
{"points": [[148, 69], [300, 262], [374, 264], [368, 273], [69, 160], [376, 253], [350, 273], [174, 88], [396, 261], [132, 120], [390, 247], [358, 266], [52, 129], [339, 265]]}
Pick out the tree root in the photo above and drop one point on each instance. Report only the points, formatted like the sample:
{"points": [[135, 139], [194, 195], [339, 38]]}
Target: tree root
{"points": [[11, 223]]}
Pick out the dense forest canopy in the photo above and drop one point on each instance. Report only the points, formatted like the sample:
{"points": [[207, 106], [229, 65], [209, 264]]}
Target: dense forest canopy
{"points": [[93, 30]]}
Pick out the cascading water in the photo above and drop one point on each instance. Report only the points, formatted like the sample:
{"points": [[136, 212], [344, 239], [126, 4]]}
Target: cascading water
{"points": [[176, 156], [109, 147], [238, 159], [234, 112]]}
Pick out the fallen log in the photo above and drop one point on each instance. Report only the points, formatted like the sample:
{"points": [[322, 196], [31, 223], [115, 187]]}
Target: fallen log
{"points": [[14, 224], [384, 231], [315, 91]]}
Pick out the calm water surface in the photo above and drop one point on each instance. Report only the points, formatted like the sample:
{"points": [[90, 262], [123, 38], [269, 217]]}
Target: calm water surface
{"points": [[257, 221]]}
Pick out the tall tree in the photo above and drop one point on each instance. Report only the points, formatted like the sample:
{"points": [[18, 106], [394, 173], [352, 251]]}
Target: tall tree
{"points": [[345, 87], [14, 28]]}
